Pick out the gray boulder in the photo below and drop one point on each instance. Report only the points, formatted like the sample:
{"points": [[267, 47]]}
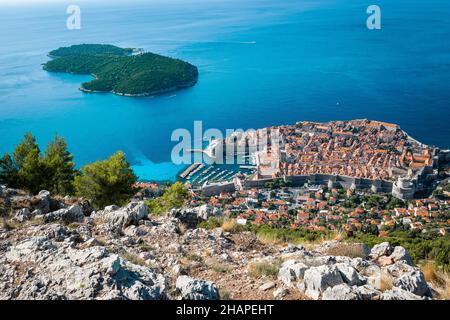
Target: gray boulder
{"points": [[398, 294], [194, 289], [267, 286], [204, 211], [291, 271], [32, 249], [367, 292], [346, 292], [413, 282], [400, 254], [23, 215], [340, 292], [350, 275], [379, 250], [318, 279], [399, 268], [280, 293], [120, 218], [58, 232], [292, 249], [67, 215], [42, 201]]}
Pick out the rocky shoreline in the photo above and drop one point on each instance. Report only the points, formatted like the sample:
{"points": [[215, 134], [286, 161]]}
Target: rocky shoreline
{"points": [[147, 94], [60, 248]]}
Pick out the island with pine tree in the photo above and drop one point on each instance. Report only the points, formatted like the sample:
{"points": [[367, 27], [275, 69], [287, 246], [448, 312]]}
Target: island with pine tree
{"points": [[123, 71]]}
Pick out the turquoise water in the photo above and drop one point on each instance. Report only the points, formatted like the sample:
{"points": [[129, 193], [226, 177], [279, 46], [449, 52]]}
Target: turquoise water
{"points": [[261, 63]]}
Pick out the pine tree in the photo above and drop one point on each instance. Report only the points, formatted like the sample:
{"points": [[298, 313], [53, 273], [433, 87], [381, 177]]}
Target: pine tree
{"points": [[24, 148], [106, 182], [32, 173], [29, 171], [60, 168], [9, 173]]}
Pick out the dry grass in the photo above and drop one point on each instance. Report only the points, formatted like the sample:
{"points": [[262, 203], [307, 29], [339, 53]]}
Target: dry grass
{"points": [[72, 226], [182, 228], [439, 279], [270, 238], [194, 257], [12, 224], [386, 282], [134, 259], [3, 210], [9, 224], [144, 246], [99, 221], [352, 250], [34, 222], [339, 235], [224, 294], [230, 225], [258, 269], [430, 271], [217, 266]]}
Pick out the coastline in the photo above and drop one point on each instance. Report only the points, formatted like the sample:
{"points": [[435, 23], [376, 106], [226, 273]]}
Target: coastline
{"points": [[146, 94]]}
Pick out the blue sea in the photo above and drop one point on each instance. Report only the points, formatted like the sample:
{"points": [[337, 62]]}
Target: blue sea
{"points": [[261, 63]]}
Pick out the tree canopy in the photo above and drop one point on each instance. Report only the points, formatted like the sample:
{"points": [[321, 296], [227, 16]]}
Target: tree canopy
{"points": [[103, 182], [61, 168], [174, 197], [118, 72], [106, 182]]}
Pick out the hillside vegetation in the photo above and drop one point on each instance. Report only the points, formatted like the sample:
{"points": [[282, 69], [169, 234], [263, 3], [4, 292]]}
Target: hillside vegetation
{"points": [[117, 71]]}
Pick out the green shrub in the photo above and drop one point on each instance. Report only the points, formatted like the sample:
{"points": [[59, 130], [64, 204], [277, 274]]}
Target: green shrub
{"points": [[420, 246], [106, 182], [211, 223], [174, 197]]}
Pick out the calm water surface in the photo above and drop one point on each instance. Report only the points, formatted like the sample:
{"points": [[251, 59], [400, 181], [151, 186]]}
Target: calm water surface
{"points": [[261, 63]]}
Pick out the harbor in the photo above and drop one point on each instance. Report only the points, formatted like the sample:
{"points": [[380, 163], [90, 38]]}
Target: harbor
{"points": [[197, 174]]}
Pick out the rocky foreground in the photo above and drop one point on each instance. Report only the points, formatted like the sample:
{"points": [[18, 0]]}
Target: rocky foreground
{"points": [[59, 248]]}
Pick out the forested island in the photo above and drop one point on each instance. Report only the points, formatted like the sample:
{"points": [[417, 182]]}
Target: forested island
{"points": [[118, 71]]}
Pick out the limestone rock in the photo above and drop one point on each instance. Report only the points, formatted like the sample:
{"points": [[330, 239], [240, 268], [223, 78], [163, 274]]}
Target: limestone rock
{"points": [[400, 254], [194, 289], [350, 275], [398, 269], [23, 215], [318, 279], [379, 250], [267, 286], [367, 292], [280, 293], [43, 201], [291, 271], [72, 214], [69, 273], [398, 294], [340, 292], [413, 282], [120, 218]]}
